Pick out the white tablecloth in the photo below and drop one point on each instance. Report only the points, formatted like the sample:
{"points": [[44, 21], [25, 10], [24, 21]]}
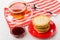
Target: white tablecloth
{"points": [[5, 31]]}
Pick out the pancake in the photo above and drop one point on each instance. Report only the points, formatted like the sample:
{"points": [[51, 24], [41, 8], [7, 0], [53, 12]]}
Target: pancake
{"points": [[42, 30], [41, 20], [45, 26], [41, 23]]}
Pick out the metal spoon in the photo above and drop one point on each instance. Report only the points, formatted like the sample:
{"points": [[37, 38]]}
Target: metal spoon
{"points": [[54, 15]]}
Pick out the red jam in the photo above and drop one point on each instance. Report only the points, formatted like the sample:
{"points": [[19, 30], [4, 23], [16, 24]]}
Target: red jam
{"points": [[18, 31]]}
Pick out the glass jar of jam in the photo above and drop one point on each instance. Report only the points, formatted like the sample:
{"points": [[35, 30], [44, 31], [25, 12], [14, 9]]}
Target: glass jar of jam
{"points": [[18, 10]]}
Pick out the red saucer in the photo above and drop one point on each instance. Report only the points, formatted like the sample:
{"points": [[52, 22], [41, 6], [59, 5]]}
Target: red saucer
{"points": [[48, 34]]}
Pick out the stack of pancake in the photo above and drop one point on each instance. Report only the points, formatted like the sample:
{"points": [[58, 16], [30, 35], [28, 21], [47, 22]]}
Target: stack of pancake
{"points": [[41, 23]]}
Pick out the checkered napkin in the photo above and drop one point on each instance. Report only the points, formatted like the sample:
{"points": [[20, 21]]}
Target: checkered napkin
{"points": [[42, 5]]}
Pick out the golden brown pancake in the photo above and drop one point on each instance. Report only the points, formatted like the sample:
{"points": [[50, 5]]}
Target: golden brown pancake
{"points": [[41, 23]]}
